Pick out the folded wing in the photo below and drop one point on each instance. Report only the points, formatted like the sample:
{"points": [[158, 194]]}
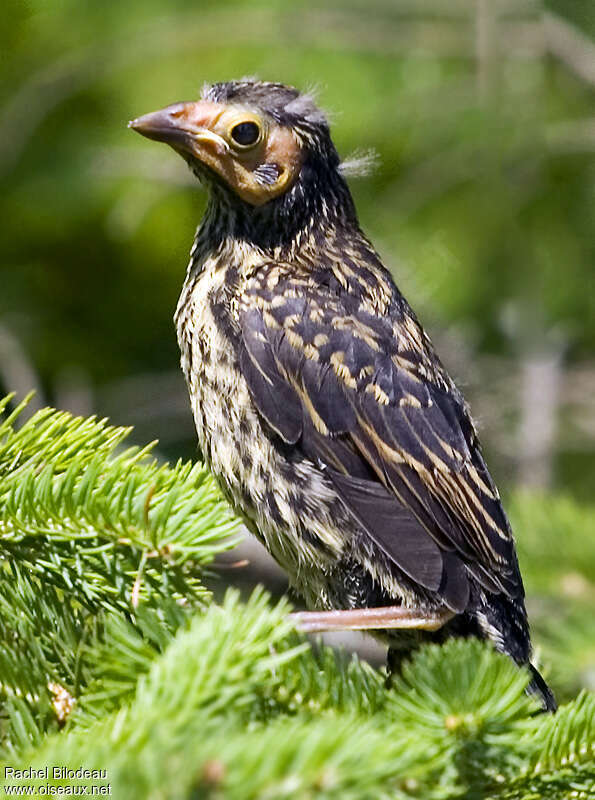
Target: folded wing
{"points": [[363, 396]]}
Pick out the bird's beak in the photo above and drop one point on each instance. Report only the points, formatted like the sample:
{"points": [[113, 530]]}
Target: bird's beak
{"points": [[187, 127]]}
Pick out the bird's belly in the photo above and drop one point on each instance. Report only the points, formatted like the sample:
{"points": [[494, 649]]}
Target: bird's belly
{"points": [[288, 506]]}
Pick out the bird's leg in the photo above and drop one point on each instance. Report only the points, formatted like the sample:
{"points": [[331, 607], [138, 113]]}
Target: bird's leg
{"points": [[361, 619], [394, 662]]}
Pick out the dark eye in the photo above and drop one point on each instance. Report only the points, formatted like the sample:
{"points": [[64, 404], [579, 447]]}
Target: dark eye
{"points": [[245, 133]]}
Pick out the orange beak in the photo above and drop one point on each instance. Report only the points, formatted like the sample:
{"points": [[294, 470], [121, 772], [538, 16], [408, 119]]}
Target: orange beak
{"points": [[184, 126]]}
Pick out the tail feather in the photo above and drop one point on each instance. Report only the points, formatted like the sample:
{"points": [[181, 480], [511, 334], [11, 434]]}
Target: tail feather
{"points": [[504, 622], [538, 687]]}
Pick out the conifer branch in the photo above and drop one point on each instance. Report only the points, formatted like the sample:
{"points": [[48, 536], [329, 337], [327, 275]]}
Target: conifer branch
{"points": [[87, 528]]}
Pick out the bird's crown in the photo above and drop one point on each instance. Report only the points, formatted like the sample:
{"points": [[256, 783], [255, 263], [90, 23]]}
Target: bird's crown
{"points": [[284, 104]]}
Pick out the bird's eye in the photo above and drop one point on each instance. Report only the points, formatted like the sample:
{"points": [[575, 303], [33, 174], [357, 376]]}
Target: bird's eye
{"points": [[245, 134]]}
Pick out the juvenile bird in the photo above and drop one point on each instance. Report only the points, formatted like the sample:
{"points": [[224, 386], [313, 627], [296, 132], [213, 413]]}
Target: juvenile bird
{"points": [[319, 401]]}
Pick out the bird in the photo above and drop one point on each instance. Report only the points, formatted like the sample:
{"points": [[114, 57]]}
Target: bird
{"points": [[320, 403]]}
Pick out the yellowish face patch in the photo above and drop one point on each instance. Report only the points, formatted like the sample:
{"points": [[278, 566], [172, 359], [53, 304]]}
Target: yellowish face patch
{"points": [[262, 158]]}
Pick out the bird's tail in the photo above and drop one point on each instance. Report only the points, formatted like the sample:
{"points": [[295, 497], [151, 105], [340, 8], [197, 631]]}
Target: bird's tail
{"points": [[539, 688], [504, 622]]}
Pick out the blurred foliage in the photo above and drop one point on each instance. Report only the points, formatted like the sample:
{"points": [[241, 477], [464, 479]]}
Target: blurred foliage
{"points": [[483, 201], [556, 545]]}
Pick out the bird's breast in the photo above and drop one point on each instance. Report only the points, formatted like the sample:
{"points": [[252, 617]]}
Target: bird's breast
{"points": [[221, 405]]}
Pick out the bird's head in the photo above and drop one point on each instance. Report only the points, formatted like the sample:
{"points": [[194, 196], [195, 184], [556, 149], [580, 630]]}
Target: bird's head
{"points": [[262, 146]]}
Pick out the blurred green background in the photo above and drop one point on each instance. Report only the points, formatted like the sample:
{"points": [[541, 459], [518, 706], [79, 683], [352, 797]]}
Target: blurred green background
{"points": [[482, 116]]}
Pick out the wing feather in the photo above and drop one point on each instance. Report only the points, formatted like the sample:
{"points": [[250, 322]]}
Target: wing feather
{"points": [[388, 426], [393, 528]]}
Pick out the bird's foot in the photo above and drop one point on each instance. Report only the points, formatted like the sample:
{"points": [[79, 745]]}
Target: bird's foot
{"points": [[360, 619]]}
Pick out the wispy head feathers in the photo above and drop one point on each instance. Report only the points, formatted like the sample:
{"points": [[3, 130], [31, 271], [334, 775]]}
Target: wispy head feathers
{"points": [[305, 106], [359, 164]]}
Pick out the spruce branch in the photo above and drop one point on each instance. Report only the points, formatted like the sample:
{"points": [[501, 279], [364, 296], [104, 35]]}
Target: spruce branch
{"points": [[200, 701], [563, 764], [89, 528], [469, 704], [457, 725]]}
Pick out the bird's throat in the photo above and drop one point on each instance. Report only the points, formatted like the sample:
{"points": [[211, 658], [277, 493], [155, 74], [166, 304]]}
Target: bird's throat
{"points": [[314, 206]]}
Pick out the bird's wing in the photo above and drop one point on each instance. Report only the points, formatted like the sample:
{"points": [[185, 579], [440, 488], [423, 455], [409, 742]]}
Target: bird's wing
{"points": [[363, 396]]}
